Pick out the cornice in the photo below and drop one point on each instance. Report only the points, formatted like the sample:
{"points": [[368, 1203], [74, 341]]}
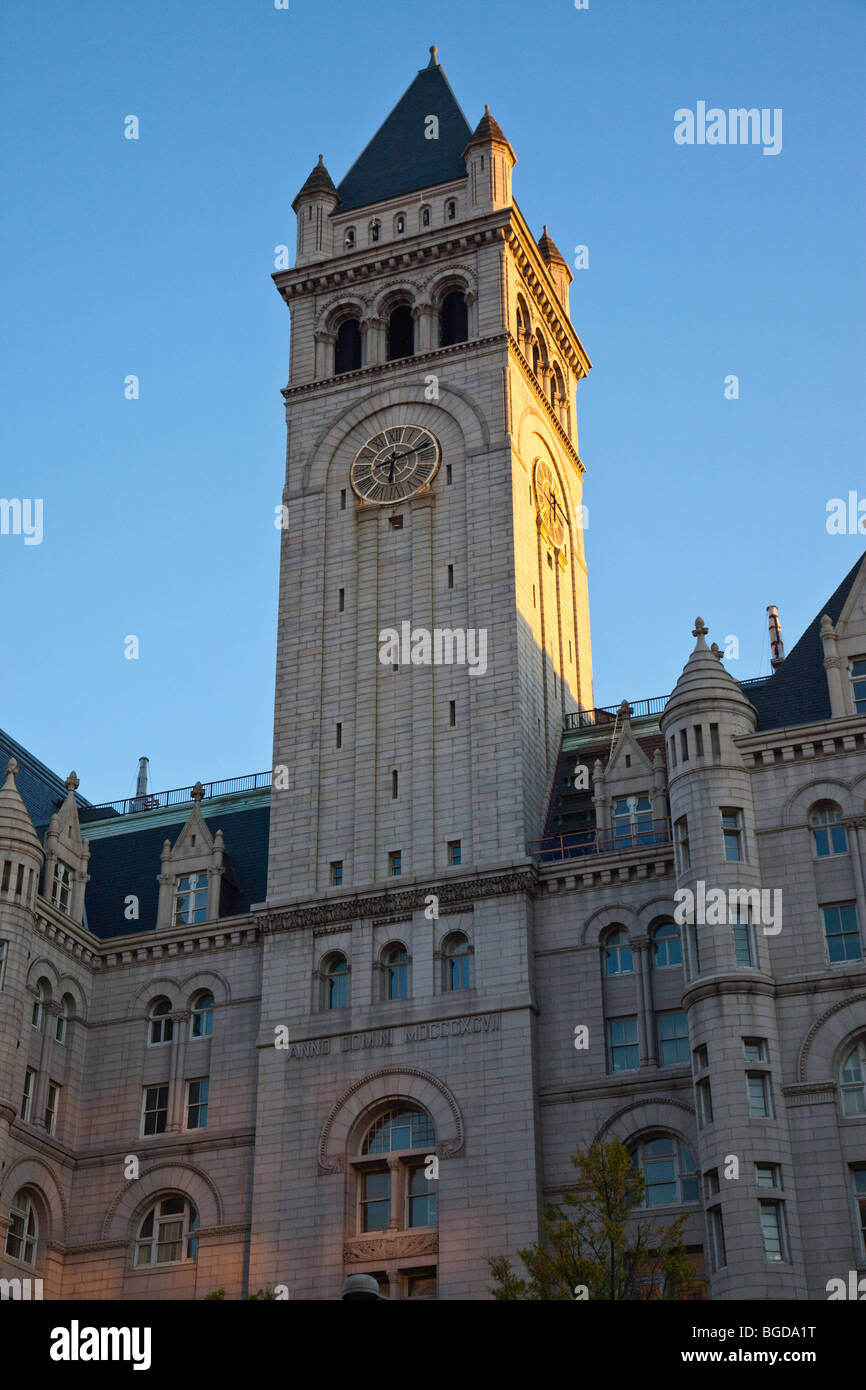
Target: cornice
{"points": [[71, 938], [551, 414], [388, 904], [536, 276], [376, 369], [118, 952]]}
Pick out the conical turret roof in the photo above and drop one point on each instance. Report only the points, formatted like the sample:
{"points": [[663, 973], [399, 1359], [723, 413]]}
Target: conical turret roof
{"points": [[319, 181], [705, 678], [16, 827]]}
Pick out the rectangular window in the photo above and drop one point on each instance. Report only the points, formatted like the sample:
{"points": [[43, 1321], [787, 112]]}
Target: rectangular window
{"points": [[61, 888], [395, 863], [732, 833], [773, 1231], [190, 899], [672, 750], [704, 1097], [717, 1238], [342, 499], [711, 1183], [452, 713], [684, 745], [715, 746], [453, 851], [448, 475], [858, 1176], [702, 1057], [858, 684], [421, 1283], [673, 1034], [375, 1201], [27, 1097], [395, 785], [51, 1106], [623, 1050], [682, 841], [342, 601], [339, 738], [154, 1110], [755, 1049], [336, 872], [422, 1198], [450, 576], [696, 948], [4, 949], [632, 821], [396, 523], [742, 934], [842, 932], [196, 1104], [699, 741], [7, 869], [767, 1175], [758, 1092]]}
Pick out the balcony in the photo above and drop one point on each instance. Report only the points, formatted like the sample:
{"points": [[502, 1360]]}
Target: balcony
{"points": [[579, 844]]}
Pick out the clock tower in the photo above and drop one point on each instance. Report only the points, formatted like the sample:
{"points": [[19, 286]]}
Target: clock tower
{"points": [[433, 634]]}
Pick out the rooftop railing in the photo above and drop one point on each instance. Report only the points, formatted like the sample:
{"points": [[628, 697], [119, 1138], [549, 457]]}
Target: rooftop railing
{"points": [[154, 801], [581, 843], [606, 714]]}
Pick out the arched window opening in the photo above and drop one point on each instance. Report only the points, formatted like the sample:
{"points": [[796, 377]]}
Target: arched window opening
{"points": [[852, 1080], [166, 1235], [396, 963], [450, 210], [349, 239], [618, 959], [669, 1171], [37, 1014], [347, 349], [828, 832], [160, 1026], [453, 319], [667, 945], [22, 1237], [62, 1020], [374, 231], [458, 970], [336, 982], [399, 224], [425, 217], [201, 1016], [399, 1194], [401, 333]]}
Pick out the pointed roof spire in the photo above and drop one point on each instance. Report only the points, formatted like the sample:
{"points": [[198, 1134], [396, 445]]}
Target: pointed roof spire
{"points": [[319, 182], [409, 152], [489, 132], [16, 827], [704, 677], [549, 249]]}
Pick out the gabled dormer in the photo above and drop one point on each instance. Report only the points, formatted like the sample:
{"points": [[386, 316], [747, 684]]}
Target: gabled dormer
{"points": [[190, 884], [844, 646], [630, 793], [66, 856]]}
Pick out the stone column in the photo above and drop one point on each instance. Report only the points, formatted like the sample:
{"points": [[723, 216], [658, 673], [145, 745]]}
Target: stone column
{"points": [[646, 1032], [176, 1097], [324, 354], [50, 1011], [373, 346], [833, 667], [424, 316]]}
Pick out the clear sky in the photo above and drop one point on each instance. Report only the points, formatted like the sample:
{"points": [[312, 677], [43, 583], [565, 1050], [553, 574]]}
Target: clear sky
{"points": [[153, 257]]}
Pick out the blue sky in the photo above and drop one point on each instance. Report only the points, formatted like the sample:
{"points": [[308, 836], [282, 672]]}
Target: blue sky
{"points": [[154, 257]]}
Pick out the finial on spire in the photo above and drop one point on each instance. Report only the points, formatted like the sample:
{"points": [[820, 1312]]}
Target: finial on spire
{"points": [[72, 784], [700, 629], [434, 61], [11, 771], [197, 793]]}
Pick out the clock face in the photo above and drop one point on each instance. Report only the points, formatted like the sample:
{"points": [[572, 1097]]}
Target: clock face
{"points": [[395, 464], [550, 503]]}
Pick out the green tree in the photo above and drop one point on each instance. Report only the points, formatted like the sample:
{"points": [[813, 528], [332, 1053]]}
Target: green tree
{"points": [[596, 1239]]}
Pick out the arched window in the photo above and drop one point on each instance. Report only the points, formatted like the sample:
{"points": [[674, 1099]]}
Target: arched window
{"points": [[401, 333], [667, 945], [425, 217], [347, 349], [400, 224], [453, 319], [852, 1080], [22, 1236], [539, 355], [166, 1235], [62, 1020], [349, 239], [201, 1015], [457, 953], [396, 964], [450, 210], [374, 231], [400, 1194], [618, 958], [669, 1171], [160, 1027], [557, 386], [336, 982], [37, 1014], [828, 832]]}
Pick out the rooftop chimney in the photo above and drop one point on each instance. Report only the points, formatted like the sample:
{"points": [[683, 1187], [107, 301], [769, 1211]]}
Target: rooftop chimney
{"points": [[777, 646], [141, 784]]}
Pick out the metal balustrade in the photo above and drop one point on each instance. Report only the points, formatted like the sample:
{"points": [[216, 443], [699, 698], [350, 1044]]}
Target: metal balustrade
{"points": [[579, 844]]}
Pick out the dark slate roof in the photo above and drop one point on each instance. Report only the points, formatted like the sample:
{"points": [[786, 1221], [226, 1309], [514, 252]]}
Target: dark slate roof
{"points": [[319, 181], [570, 810], [797, 693], [42, 791], [399, 159], [129, 863]]}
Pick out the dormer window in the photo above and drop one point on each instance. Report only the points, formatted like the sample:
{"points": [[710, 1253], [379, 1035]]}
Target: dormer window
{"points": [[61, 888], [374, 231], [349, 239], [858, 684], [190, 899]]}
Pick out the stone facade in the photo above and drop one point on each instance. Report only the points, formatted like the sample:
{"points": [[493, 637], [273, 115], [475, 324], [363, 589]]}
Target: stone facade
{"points": [[432, 938]]}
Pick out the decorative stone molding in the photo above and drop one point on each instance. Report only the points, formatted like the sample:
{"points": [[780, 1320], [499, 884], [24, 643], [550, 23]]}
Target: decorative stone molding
{"points": [[636, 1105], [390, 1247], [453, 1148], [819, 1024], [401, 904]]}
